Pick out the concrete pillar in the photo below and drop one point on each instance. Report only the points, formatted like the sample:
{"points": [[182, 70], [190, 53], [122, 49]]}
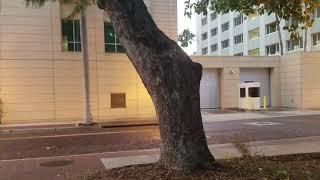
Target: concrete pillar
{"points": [[275, 90], [230, 79]]}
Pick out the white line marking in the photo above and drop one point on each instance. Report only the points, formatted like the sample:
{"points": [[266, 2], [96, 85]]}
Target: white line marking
{"points": [[71, 135]]}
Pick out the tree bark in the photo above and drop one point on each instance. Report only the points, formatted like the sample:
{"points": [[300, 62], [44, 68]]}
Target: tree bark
{"points": [[87, 120], [171, 79], [280, 35], [305, 40]]}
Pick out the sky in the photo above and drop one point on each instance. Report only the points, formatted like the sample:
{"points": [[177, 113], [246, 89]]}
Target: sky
{"points": [[186, 23]]}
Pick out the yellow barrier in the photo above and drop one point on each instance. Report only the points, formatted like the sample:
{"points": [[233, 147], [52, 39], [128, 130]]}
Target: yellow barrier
{"points": [[265, 103]]}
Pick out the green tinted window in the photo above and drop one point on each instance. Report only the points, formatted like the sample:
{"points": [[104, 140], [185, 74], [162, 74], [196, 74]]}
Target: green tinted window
{"points": [[111, 42], [71, 39]]}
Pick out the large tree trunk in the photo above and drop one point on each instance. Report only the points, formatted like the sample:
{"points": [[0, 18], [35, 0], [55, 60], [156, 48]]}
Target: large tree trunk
{"points": [[280, 35], [172, 80]]}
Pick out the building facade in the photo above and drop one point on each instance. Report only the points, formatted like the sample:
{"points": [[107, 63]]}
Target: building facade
{"points": [[40, 68], [233, 34], [289, 81], [41, 74]]}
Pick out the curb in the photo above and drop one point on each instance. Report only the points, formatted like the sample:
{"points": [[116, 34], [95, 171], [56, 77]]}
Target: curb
{"points": [[127, 124], [115, 124]]}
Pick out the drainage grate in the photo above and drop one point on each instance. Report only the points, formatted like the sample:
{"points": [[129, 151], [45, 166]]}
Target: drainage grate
{"points": [[56, 163], [263, 123]]}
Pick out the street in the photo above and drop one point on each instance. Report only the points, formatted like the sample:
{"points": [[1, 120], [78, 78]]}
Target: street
{"points": [[81, 148]]}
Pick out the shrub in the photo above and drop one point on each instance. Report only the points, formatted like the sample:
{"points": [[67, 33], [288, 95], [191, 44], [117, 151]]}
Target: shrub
{"points": [[243, 148]]}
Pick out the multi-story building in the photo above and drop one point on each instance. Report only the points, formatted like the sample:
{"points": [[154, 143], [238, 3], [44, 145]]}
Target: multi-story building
{"points": [[233, 34], [41, 74]]}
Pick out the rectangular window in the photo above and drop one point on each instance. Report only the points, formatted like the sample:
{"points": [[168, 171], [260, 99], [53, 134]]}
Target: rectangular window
{"points": [[238, 39], [239, 54], [254, 92], [254, 33], [242, 92], [316, 39], [225, 26], [318, 13], [204, 51], [111, 42], [71, 39], [204, 21], [292, 21], [213, 16], [254, 52], [214, 31], [271, 28], [225, 44], [272, 49], [118, 100], [238, 20], [295, 44], [214, 47], [204, 36]]}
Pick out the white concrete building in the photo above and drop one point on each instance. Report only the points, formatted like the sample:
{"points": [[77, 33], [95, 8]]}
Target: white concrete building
{"points": [[233, 34]]}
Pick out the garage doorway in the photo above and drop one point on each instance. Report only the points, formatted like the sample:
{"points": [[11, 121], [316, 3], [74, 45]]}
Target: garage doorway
{"points": [[210, 96], [261, 75]]}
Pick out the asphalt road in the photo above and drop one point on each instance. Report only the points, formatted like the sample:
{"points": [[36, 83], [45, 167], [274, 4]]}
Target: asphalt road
{"points": [[75, 141]]}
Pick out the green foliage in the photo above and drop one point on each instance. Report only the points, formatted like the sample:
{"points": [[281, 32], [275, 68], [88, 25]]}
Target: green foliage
{"points": [[300, 10], [80, 6], [282, 174], [186, 38], [36, 3], [308, 175]]}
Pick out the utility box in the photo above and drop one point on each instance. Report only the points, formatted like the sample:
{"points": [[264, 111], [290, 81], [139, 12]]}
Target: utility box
{"points": [[250, 96]]}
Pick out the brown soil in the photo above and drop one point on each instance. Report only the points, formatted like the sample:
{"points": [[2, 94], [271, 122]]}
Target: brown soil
{"points": [[293, 167]]}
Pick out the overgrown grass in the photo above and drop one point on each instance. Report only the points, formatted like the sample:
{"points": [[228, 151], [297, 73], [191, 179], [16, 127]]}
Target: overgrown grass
{"points": [[243, 147]]}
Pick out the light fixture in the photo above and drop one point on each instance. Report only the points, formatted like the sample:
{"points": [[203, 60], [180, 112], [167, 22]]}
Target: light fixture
{"points": [[232, 72]]}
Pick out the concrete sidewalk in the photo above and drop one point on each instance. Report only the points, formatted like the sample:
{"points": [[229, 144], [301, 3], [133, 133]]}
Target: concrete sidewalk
{"points": [[225, 115], [64, 167], [32, 127], [226, 151], [207, 117]]}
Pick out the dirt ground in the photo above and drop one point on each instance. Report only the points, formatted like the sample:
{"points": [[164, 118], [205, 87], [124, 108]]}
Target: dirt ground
{"points": [[289, 167]]}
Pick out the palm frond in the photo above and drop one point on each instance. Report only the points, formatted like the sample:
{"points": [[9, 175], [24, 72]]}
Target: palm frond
{"points": [[80, 6], [36, 3]]}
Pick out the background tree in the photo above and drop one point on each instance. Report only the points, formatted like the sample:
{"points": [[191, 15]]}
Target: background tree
{"points": [[304, 21], [171, 78], [186, 38], [80, 7], [301, 10]]}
